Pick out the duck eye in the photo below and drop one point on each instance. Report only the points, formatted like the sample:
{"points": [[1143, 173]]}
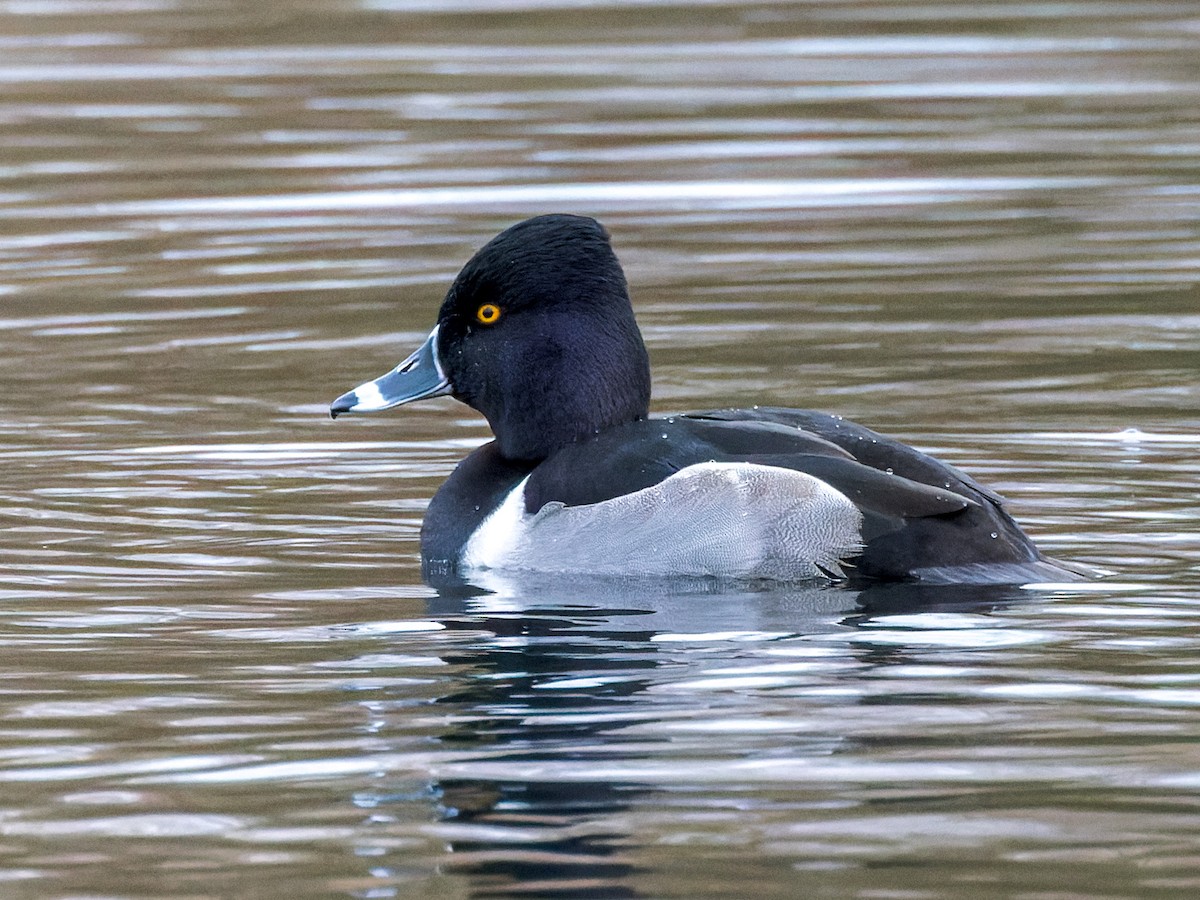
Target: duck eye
{"points": [[488, 314]]}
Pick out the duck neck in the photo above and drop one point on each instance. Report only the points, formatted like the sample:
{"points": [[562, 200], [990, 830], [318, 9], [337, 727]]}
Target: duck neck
{"points": [[574, 389]]}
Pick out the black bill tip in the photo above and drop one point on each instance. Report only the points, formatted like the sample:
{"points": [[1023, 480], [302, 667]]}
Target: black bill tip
{"points": [[342, 404]]}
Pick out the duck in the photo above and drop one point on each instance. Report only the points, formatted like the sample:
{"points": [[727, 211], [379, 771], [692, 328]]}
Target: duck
{"points": [[537, 334]]}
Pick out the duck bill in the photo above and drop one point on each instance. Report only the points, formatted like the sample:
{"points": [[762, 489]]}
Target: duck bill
{"points": [[416, 378]]}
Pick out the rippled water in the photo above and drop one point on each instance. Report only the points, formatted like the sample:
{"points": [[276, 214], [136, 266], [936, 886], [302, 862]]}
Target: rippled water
{"points": [[972, 226]]}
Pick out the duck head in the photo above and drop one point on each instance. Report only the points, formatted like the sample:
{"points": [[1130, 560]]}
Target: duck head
{"points": [[537, 333]]}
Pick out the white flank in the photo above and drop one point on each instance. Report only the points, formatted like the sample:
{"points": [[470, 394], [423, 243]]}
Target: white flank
{"points": [[725, 519], [493, 543]]}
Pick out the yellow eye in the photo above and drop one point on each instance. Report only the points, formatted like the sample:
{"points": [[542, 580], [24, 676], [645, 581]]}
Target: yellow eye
{"points": [[488, 314]]}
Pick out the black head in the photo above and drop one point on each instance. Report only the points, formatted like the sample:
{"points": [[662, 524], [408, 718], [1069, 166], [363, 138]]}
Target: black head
{"points": [[537, 333]]}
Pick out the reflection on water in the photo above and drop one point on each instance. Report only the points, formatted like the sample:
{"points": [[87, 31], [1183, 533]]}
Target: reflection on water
{"points": [[972, 226]]}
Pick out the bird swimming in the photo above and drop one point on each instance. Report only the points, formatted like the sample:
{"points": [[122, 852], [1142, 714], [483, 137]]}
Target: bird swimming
{"points": [[537, 333]]}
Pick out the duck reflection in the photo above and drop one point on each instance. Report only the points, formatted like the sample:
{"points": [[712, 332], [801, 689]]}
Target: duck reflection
{"points": [[570, 678], [567, 665]]}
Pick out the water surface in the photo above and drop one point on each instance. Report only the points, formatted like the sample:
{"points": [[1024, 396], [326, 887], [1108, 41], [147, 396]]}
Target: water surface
{"points": [[971, 226]]}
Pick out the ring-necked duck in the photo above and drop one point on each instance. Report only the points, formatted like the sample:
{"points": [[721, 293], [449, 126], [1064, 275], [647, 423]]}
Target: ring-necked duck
{"points": [[537, 333]]}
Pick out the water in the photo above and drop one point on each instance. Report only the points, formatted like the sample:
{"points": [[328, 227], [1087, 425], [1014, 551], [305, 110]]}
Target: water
{"points": [[973, 227]]}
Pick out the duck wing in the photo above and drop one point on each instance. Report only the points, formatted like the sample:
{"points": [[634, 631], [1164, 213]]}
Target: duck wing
{"points": [[642, 454], [980, 542], [868, 447], [919, 515]]}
